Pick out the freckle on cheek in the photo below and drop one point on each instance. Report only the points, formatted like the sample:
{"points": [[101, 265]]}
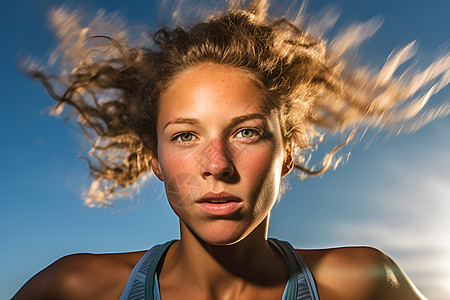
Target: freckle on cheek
{"points": [[170, 187]]}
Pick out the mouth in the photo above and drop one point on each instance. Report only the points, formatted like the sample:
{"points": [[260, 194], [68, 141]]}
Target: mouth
{"points": [[218, 201], [217, 198], [219, 204]]}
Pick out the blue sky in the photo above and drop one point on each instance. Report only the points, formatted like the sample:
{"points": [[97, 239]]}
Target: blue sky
{"points": [[394, 194]]}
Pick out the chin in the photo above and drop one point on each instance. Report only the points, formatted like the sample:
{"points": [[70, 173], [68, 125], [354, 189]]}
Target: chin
{"points": [[222, 234]]}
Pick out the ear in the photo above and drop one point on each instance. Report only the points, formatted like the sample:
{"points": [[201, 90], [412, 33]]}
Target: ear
{"points": [[156, 168], [288, 163]]}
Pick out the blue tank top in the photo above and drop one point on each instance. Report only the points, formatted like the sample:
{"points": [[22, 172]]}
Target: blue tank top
{"points": [[143, 281]]}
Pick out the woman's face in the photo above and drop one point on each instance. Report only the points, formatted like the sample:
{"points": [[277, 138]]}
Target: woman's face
{"points": [[220, 152]]}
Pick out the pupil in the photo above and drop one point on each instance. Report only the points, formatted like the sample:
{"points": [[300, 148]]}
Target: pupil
{"points": [[185, 136], [247, 133]]}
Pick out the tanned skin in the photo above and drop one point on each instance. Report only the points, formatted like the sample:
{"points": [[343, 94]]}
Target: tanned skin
{"points": [[341, 273]]}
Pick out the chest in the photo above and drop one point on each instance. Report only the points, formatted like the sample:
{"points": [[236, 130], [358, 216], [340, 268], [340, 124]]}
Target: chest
{"points": [[188, 291]]}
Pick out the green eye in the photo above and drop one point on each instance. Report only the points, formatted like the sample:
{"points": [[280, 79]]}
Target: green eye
{"points": [[185, 137], [247, 133]]}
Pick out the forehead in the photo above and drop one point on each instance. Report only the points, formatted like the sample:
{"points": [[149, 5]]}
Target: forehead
{"points": [[210, 85]]}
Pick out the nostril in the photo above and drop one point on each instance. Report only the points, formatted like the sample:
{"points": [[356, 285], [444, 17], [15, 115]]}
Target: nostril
{"points": [[219, 170], [228, 171]]}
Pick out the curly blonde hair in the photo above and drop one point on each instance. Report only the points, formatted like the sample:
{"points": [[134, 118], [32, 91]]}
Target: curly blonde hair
{"points": [[113, 86]]}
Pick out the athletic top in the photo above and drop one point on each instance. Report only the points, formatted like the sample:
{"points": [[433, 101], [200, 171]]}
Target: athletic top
{"points": [[143, 281]]}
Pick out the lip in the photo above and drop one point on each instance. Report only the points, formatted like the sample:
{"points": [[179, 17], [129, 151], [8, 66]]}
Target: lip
{"points": [[219, 204]]}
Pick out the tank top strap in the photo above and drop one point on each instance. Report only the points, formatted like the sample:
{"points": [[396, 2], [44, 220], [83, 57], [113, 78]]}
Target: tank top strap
{"points": [[301, 284], [137, 283]]}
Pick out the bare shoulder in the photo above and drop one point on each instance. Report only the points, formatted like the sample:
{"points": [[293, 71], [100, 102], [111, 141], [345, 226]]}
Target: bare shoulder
{"points": [[358, 273], [82, 276]]}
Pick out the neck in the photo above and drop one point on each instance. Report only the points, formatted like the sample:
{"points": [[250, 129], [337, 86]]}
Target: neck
{"points": [[219, 269]]}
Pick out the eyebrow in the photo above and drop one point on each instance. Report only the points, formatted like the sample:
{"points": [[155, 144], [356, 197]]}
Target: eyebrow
{"points": [[182, 121], [241, 119], [234, 121]]}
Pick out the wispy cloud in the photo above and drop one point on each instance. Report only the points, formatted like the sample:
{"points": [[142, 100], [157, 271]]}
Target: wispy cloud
{"points": [[414, 225]]}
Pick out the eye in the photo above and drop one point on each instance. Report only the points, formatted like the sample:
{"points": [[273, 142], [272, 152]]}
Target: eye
{"points": [[185, 137], [248, 133]]}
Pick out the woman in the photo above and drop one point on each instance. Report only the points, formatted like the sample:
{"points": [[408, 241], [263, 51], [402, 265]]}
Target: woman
{"points": [[221, 113]]}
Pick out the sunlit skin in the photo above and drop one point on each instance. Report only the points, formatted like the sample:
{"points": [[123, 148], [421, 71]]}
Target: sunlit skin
{"points": [[217, 137], [213, 128]]}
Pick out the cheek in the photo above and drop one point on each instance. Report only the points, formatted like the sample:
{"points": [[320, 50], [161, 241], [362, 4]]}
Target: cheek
{"points": [[265, 156], [182, 190], [170, 161], [180, 180], [262, 167]]}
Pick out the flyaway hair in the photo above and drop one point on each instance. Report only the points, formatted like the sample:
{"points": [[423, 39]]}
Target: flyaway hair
{"points": [[112, 83]]}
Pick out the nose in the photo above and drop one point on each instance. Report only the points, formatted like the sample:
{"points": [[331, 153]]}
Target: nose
{"points": [[215, 160]]}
